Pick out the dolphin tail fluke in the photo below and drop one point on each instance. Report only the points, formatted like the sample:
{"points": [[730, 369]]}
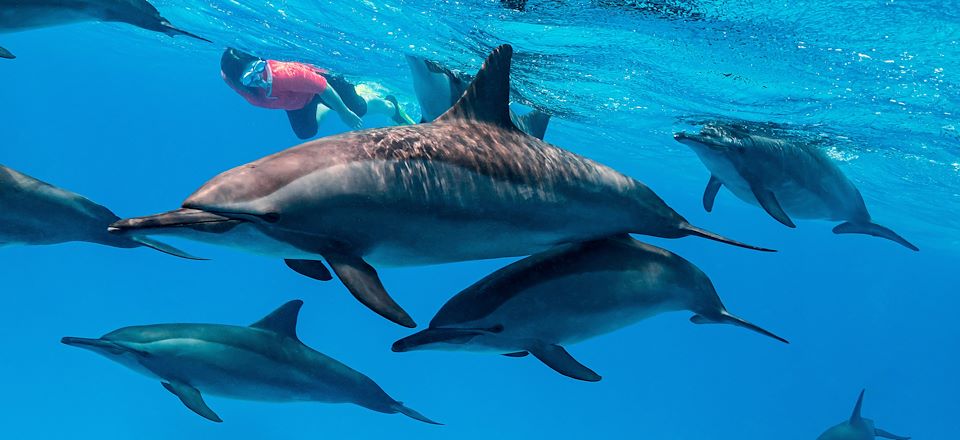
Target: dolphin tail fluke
{"points": [[698, 232], [165, 248], [413, 414], [4, 53], [172, 30], [875, 230], [726, 318]]}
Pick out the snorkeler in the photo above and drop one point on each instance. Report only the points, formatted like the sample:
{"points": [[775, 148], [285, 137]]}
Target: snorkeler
{"points": [[300, 89]]}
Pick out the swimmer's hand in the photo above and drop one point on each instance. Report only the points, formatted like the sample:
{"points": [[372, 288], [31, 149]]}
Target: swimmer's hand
{"points": [[351, 119]]}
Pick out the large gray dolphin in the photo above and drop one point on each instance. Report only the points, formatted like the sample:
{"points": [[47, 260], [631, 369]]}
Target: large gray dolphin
{"points": [[570, 294], [19, 15], [786, 179], [37, 213], [468, 186], [439, 88], [857, 428], [265, 361]]}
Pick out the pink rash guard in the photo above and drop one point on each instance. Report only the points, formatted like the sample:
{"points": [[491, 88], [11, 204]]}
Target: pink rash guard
{"points": [[293, 86]]}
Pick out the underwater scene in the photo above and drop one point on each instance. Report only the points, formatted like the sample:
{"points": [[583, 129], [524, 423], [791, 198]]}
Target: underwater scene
{"points": [[480, 219]]}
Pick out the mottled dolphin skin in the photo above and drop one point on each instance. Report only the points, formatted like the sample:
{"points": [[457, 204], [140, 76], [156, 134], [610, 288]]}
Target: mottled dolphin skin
{"points": [[857, 428], [788, 180], [570, 294], [439, 88], [467, 186], [37, 213], [265, 361], [19, 15]]}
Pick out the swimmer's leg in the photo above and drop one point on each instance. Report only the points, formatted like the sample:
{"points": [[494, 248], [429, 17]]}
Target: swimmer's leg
{"points": [[304, 121]]}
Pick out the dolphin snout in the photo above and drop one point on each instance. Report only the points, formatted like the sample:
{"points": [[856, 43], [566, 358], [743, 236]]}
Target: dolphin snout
{"points": [[85, 342], [179, 218], [408, 343]]}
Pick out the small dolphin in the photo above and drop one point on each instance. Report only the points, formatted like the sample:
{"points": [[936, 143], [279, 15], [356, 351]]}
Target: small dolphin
{"points": [[570, 294], [438, 88], [467, 186], [19, 15], [37, 213], [785, 179], [265, 361], [857, 428]]}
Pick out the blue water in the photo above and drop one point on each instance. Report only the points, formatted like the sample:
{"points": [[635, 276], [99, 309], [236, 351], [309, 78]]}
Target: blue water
{"points": [[137, 121]]}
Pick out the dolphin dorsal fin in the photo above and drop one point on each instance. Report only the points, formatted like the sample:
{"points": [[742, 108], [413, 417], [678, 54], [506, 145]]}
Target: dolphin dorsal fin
{"points": [[488, 97], [283, 320], [855, 417]]}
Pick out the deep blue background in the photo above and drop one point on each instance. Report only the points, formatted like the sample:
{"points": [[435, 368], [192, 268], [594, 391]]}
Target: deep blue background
{"points": [[139, 130]]}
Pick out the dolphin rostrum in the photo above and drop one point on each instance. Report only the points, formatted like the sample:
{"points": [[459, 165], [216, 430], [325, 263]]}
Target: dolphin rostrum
{"points": [[438, 88], [19, 15], [265, 361], [467, 186], [857, 428], [570, 294], [37, 213], [786, 179]]}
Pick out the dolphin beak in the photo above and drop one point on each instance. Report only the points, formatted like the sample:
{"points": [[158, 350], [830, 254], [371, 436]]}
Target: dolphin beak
{"points": [[171, 221], [90, 344], [410, 343]]}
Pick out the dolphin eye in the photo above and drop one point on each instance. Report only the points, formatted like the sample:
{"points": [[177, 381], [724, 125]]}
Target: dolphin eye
{"points": [[270, 217]]}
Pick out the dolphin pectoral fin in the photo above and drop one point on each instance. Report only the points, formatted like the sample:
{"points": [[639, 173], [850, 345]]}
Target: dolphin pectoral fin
{"points": [[710, 192], [191, 397], [554, 356], [362, 281], [875, 230], [727, 318], [768, 201], [4, 53], [165, 248], [881, 433], [310, 268], [518, 354]]}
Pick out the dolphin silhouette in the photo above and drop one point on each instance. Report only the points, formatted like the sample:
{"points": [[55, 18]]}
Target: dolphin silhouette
{"points": [[467, 186], [265, 361], [788, 180], [37, 213], [570, 294], [857, 428], [19, 15]]}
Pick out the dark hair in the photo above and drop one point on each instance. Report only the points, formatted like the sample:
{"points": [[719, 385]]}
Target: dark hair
{"points": [[232, 63]]}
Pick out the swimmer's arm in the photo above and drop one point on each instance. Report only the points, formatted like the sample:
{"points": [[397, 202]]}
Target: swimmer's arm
{"points": [[332, 99]]}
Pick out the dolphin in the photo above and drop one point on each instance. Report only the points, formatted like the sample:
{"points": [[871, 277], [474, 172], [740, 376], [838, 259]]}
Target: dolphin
{"points": [[467, 186], [37, 213], [570, 294], [19, 15], [265, 361], [788, 180], [857, 428], [438, 88]]}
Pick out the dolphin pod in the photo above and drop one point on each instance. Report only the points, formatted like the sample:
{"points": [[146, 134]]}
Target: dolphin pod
{"points": [[570, 294], [857, 428], [265, 361], [467, 186], [37, 213], [18, 15], [439, 88], [788, 180]]}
